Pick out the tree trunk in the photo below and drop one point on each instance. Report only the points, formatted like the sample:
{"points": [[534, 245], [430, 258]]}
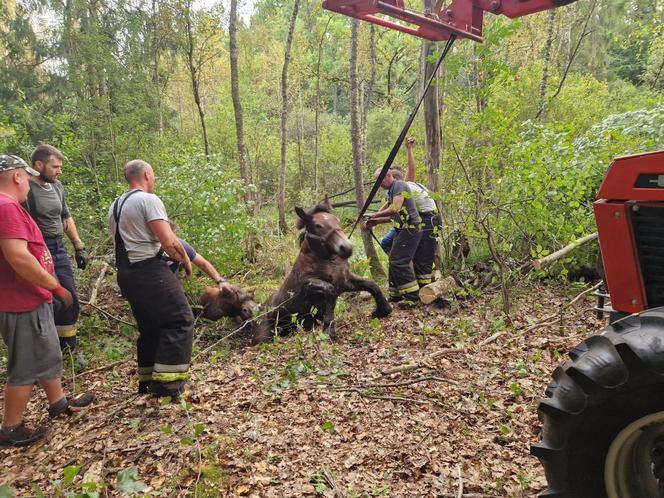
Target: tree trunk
{"points": [[317, 109], [195, 77], [368, 94], [283, 227], [432, 136], [237, 105], [546, 62], [356, 141]]}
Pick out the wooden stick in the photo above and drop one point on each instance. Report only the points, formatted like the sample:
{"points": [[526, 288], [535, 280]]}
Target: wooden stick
{"points": [[120, 320], [459, 493], [95, 289], [538, 264]]}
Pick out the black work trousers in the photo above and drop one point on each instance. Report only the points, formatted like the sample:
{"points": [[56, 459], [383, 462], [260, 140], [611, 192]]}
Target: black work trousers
{"points": [[65, 318], [423, 259], [165, 324], [403, 283]]}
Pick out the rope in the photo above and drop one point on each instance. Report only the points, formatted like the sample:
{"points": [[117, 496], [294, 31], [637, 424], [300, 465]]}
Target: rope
{"points": [[402, 136]]}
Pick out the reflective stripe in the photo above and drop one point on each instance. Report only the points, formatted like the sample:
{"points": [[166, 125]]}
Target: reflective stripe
{"points": [[424, 281], [412, 287], [144, 377], [160, 367], [408, 285], [168, 377], [423, 275], [65, 331]]}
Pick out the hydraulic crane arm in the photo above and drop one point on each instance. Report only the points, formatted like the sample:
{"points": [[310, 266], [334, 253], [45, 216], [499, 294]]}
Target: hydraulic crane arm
{"points": [[463, 18]]}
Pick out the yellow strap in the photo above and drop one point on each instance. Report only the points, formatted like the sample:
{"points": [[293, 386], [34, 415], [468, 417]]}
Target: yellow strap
{"points": [[67, 333], [168, 376]]}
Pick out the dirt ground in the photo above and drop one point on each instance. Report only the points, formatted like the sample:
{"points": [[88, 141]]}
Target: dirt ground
{"points": [[428, 402]]}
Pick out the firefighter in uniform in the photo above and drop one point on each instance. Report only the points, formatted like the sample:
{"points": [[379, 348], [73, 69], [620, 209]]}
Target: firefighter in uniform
{"points": [[431, 222], [141, 232], [47, 205], [400, 208]]}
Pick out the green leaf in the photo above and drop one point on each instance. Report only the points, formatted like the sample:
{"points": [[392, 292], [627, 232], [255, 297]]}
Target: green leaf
{"points": [[35, 487], [187, 440], [167, 429], [504, 429], [328, 426], [128, 481], [198, 429], [70, 474], [7, 492]]}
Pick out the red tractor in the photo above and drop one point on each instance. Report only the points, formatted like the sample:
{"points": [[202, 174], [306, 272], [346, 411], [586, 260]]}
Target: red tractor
{"points": [[603, 418]]}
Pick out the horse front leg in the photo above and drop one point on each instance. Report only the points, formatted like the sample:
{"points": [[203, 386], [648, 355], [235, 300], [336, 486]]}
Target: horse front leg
{"points": [[357, 284], [329, 293]]}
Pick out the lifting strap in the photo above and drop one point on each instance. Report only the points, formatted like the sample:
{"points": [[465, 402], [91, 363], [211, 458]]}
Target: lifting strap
{"points": [[402, 136]]}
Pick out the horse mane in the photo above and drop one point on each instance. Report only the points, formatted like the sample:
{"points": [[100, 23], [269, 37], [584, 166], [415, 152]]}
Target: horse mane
{"points": [[321, 207]]}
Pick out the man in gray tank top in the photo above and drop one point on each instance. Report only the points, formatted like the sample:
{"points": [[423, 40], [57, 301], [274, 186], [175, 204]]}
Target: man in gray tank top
{"points": [[47, 205], [139, 226]]}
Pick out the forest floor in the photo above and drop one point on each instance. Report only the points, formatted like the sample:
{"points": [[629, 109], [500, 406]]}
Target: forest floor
{"points": [[427, 402]]}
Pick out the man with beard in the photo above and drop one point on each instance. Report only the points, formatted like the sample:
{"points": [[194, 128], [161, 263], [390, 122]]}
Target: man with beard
{"points": [[47, 205], [27, 288]]}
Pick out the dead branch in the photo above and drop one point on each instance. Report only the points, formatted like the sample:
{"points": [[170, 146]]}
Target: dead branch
{"points": [[101, 369], [407, 367], [329, 479], [106, 313], [395, 384], [95, 289], [459, 492], [538, 264]]}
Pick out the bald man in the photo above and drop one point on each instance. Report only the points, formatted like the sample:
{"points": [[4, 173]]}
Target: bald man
{"points": [[141, 232], [27, 288]]}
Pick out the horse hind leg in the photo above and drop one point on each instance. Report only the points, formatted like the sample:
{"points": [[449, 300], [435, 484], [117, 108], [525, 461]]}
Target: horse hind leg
{"points": [[357, 284]]}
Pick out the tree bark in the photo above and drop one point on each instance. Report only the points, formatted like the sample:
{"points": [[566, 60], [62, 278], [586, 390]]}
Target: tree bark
{"points": [[317, 109], [546, 62], [237, 104], [194, 72], [356, 141], [283, 227]]}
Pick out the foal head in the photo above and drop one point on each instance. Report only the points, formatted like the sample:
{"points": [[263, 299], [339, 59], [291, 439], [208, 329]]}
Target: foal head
{"points": [[322, 231]]}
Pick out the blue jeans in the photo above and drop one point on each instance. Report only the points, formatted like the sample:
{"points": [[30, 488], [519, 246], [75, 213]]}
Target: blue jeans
{"points": [[386, 242], [65, 318]]}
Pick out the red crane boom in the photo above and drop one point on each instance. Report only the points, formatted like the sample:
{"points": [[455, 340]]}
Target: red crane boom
{"points": [[463, 18]]}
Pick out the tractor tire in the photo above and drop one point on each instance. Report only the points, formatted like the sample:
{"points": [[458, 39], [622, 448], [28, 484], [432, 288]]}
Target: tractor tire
{"points": [[603, 421]]}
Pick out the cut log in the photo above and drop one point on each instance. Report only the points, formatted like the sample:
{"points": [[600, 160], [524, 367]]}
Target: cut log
{"points": [[538, 264], [440, 289]]}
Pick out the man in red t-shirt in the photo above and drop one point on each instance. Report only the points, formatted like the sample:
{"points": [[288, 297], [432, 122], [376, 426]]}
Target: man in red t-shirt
{"points": [[27, 286]]}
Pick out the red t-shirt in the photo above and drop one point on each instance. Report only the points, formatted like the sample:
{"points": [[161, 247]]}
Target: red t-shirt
{"points": [[16, 294]]}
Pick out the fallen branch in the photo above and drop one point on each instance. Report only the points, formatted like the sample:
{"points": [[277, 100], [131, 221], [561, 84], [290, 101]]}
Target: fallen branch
{"points": [[103, 311], [459, 493], [553, 318], [101, 369], [395, 384], [407, 367], [391, 398], [329, 479], [538, 264], [95, 289]]}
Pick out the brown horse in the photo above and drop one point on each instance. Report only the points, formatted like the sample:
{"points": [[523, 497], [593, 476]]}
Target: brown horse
{"points": [[320, 274]]}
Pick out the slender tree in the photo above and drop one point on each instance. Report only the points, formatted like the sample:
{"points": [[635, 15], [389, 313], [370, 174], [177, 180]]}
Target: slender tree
{"points": [[284, 117], [194, 66], [237, 104], [356, 142]]}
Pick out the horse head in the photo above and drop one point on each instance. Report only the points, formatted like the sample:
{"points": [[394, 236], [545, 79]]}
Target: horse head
{"points": [[322, 231]]}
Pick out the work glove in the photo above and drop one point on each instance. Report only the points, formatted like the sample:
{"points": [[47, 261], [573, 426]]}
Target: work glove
{"points": [[81, 255], [63, 295]]}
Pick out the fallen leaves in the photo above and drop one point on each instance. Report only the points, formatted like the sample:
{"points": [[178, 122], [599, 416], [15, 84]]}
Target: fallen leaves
{"points": [[415, 405]]}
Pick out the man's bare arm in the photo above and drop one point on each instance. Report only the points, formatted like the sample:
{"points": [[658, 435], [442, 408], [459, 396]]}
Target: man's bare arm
{"points": [[170, 243], [392, 209], [410, 173], [72, 233], [22, 261]]}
